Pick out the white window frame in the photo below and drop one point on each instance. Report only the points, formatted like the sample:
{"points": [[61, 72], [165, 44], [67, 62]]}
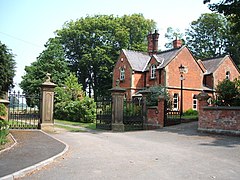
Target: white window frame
{"points": [[228, 75], [122, 74], [194, 102], [175, 104], [153, 71]]}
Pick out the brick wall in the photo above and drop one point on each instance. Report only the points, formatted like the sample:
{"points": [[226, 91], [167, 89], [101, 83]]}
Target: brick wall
{"points": [[218, 119], [155, 115]]}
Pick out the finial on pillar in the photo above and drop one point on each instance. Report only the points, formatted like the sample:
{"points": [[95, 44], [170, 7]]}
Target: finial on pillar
{"points": [[117, 83], [48, 77]]}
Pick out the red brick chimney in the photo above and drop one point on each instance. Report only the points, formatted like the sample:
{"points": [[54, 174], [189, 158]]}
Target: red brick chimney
{"points": [[153, 42], [177, 43]]}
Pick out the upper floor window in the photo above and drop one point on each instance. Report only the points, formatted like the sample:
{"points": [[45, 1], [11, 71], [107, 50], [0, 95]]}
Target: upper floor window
{"points": [[194, 102], [122, 74], [153, 71], [228, 75]]}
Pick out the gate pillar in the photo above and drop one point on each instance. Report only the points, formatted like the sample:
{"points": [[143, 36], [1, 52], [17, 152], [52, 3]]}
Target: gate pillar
{"points": [[47, 103], [117, 108]]}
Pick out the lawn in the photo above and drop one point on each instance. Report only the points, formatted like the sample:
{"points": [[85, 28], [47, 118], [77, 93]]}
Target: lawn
{"points": [[77, 124]]}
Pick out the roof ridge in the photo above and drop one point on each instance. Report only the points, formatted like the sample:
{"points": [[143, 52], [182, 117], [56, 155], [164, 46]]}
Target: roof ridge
{"points": [[216, 57], [135, 51], [168, 50]]}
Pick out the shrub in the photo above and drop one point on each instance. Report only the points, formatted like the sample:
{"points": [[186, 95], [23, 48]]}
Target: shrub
{"points": [[190, 112], [155, 92], [4, 128], [71, 104], [228, 93]]}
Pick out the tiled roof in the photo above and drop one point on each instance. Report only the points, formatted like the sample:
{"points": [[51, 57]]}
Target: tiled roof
{"points": [[139, 60], [211, 64], [168, 55], [136, 59]]}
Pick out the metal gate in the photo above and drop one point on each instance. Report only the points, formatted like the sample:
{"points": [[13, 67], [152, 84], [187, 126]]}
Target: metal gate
{"points": [[172, 118], [132, 115], [104, 113], [24, 111]]}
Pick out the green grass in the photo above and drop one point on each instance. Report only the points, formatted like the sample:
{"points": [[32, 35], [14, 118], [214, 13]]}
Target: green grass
{"points": [[71, 129], [80, 124]]}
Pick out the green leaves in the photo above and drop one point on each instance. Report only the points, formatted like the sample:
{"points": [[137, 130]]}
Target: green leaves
{"points": [[7, 70], [92, 46], [52, 61], [228, 93], [206, 36]]}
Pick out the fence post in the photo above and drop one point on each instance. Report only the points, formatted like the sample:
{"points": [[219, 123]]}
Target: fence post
{"points": [[161, 109], [117, 108], [47, 104], [144, 106]]}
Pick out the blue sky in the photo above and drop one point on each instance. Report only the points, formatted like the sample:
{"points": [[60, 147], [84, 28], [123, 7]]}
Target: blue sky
{"points": [[26, 25]]}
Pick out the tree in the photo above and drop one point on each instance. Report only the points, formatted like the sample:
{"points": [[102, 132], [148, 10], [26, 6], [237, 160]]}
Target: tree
{"points": [[207, 36], [231, 10], [92, 46], [7, 70], [52, 61], [171, 35]]}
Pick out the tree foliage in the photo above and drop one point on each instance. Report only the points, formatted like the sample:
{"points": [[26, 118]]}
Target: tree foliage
{"points": [[7, 70], [72, 104], [92, 46], [231, 10], [207, 36], [52, 61]]}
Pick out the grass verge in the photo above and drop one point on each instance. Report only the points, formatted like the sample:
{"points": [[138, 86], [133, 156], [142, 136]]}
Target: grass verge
{"points": [[70, 129], [79, 124]]}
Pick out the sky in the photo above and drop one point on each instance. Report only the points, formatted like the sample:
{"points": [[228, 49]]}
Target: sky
{"points": [[26, 25]]}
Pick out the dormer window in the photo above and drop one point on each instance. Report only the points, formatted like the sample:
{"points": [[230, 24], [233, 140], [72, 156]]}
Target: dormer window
{"points": [[228, 75], [122, 74], [153, 71]]}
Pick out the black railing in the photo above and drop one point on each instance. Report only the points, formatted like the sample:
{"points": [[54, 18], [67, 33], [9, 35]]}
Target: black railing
{"points": [[132, 115], [104, 114], [23, 111]]}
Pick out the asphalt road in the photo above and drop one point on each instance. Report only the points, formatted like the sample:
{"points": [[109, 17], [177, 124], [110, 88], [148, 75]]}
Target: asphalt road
{"points": [[177, 152]]}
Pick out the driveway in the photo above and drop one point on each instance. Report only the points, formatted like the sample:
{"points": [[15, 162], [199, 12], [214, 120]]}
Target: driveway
{"points": [[177, 152]]}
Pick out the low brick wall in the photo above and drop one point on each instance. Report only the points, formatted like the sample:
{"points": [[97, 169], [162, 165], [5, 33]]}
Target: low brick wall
{"points": [[224, 120]]}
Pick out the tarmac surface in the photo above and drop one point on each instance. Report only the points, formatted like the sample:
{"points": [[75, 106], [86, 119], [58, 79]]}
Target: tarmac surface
{"points": [[32, 147], [177, 152]]}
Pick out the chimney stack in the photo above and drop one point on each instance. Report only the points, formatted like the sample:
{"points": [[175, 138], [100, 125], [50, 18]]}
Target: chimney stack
{"points": [[177, 43], [153, 42]]}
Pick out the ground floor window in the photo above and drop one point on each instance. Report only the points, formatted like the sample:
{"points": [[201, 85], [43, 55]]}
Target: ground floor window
{"points": [[175, 101], [194, 102]]}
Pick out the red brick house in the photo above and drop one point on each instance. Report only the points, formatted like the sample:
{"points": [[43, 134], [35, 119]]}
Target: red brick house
{"points": [[138, 70]]}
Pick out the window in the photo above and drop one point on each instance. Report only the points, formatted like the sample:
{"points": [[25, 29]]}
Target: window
{"points": [[227, 75], [175, 101], [153, 71], [194, 102], [122, 74]]}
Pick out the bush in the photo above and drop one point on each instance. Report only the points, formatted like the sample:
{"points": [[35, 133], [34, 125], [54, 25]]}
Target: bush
{"points": [[190, 112], [228, 93], [71, 104], [155, 92], [4, 128]]}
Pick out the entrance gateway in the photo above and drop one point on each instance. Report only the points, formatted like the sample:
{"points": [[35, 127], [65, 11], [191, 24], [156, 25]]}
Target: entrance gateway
{"points": [[23, 111]]}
